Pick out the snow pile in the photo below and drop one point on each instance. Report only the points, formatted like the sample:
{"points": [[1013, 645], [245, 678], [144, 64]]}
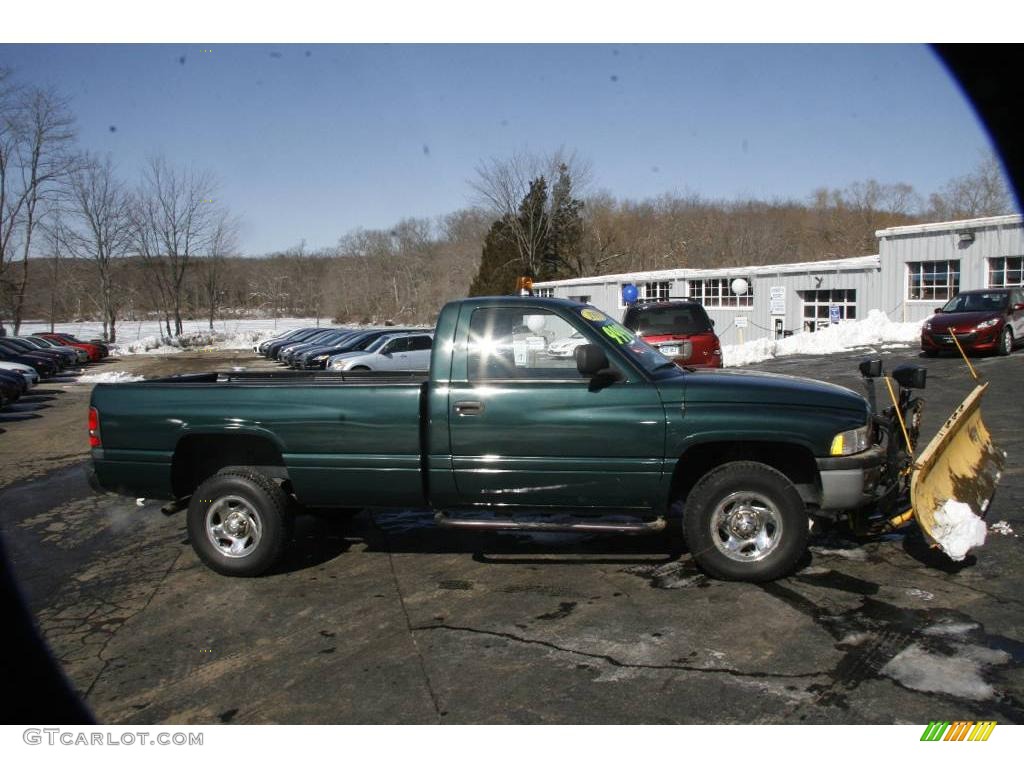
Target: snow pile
{"points": [[109, 377], [960, 674], [957, 529], [877, 328], [194, 341], [1003, 528]]}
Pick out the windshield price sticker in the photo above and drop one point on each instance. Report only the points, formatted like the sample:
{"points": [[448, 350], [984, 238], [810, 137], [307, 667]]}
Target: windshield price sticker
{"points": [[592, 315]]}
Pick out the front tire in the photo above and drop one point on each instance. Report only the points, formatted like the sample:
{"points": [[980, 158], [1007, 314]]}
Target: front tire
{"points": [[1006, 342], [745, 521], [239, 522]]}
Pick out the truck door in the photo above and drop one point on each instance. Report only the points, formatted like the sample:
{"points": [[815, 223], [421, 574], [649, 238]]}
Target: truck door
{"points": [[527, 430]]}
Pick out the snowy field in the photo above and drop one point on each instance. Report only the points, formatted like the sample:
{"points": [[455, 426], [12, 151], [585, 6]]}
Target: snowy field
{"points": [[144, 338]]}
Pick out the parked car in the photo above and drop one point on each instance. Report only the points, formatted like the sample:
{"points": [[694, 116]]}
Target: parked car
{"points": [[262, 346], [71, 355], [16, 347], [95, 350], [680, 330], [391, 352], [27, 371], [290, 354], [12, 386], [43, 366], [990, 320], [565, 347], [275, 347], [318, 356]]}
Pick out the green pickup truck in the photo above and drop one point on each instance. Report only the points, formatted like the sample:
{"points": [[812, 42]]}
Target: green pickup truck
{"points": [[500, 434]]}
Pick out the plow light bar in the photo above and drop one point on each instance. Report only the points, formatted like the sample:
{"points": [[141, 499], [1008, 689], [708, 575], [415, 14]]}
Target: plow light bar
{"points": [[871, 369], [910, 376]]}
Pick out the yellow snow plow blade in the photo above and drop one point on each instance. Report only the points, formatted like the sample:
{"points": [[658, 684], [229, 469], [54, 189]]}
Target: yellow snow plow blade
{"points": [[959, 463]]}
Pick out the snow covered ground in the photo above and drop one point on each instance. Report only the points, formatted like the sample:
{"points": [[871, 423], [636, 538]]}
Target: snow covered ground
{"points": [[875, 330], [145, 337]]}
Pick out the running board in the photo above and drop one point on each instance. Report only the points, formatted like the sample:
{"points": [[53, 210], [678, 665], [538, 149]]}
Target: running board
{"points": [[578, 525]]}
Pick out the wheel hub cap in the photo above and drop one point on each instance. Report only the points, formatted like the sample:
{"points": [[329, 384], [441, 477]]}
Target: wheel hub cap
{"points": [[746, 526], [233, 526]]}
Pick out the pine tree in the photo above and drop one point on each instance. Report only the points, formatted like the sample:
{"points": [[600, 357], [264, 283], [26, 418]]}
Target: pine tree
{"points": [[563, 257], [500, 263]]}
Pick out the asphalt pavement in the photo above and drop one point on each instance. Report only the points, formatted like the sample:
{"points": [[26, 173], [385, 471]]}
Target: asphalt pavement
{"points": [[384, 618]]}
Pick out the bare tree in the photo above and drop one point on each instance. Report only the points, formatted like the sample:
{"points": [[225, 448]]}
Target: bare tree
{"points": [[98, 227], [36, 133], [502, 186], [981, 192], [223, 242], [174, 220]]}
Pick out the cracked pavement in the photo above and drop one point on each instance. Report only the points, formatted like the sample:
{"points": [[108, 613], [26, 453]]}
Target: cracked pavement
{"points": [[384, 618]]}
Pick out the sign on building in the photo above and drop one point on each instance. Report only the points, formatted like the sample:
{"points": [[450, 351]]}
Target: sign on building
{"points": [[741, 322], [777, 300], [835, 313]]}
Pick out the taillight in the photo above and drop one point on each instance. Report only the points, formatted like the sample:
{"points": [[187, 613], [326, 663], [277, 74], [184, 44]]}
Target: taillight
{"points": [[94, 429]]}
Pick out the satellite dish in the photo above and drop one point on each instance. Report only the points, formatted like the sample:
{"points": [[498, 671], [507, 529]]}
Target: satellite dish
{"points": [[739, 286]]}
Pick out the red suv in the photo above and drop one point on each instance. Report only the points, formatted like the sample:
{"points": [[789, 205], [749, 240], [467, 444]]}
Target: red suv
{"points": [[991, 320], [680, 330]]}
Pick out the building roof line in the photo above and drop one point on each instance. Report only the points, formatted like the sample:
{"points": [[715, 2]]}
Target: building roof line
{"points": [[952, 226], [852, 263]]}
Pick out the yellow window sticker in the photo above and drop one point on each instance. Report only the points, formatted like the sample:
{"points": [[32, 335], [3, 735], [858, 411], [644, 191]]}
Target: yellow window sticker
{"points": [[593, 315]]}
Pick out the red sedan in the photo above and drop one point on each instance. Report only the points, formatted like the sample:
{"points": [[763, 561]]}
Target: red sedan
{"points": [[93, 350], [989, 320]]}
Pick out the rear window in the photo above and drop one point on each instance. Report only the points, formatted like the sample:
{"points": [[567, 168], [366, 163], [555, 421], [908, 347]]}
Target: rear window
{"points": [[655, 321]]}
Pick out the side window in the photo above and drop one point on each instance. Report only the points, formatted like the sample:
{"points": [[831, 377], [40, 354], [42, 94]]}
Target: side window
{"points": [[400, 344], [421, 343], [510, 343]]}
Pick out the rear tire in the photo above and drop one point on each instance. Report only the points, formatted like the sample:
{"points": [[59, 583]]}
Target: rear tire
{"points": [[1006, 341], [930, 352], [239, 522], [745, 521]]}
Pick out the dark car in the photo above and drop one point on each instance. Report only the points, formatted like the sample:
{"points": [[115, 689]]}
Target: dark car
{"points": [[46, 363], [12, 386], [317, 356], [680, 330], [990, 320], [68, 354], [38, 363], [290, 354], [274, 348]]}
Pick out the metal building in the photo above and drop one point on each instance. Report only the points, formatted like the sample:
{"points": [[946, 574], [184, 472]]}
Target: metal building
{"points": [[918, 268]]}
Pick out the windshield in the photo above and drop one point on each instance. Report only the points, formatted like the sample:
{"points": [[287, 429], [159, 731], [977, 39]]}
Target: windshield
{"points": [[640, 352], [379, 342], [977, 302], [658, 321]]}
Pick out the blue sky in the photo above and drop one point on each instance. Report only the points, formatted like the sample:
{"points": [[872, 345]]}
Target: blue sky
{"points": [[312, 141]]}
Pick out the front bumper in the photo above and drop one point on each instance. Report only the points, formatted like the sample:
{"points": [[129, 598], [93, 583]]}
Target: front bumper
{"points": [[973, 341], [850, 482]]}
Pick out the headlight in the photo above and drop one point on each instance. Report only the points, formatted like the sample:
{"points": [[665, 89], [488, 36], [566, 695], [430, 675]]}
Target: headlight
{"points": [[850, 442], [987, 323], [927, 325], [320, 358]]}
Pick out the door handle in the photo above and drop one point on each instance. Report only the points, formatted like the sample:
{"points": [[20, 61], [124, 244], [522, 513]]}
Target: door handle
{"points": [[469, 408]]}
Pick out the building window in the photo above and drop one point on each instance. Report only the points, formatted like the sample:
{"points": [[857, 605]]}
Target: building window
{"points": [[580, 299], [933, 280], [717, 292], [818, 305], [1005, 272], [544, 293], [658, 291]]}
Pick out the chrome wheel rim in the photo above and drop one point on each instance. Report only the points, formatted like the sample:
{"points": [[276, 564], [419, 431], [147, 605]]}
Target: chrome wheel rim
{"points": [[233, 526], [746, 526], [1007, 341]]}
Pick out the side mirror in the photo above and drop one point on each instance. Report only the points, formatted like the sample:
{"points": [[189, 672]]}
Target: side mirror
{"points": [[592, 363], [1018, 307], [938, 310], [590, 359]]}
